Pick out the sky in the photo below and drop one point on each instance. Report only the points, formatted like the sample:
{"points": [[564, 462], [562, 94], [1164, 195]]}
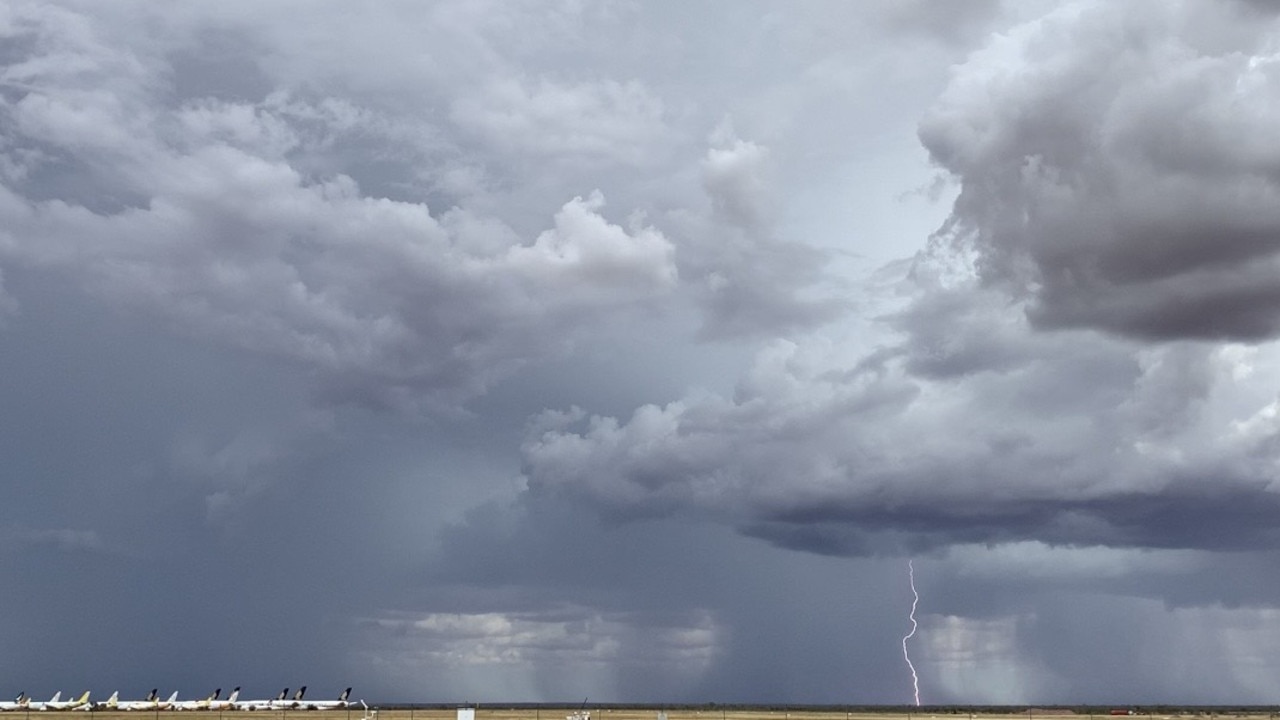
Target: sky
{"points": [[533, 350]]}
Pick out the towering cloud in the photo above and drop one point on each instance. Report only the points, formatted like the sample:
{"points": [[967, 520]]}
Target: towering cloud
{"points": [[533, 349], [1044, 376], [1119, 165], [202, 213]]}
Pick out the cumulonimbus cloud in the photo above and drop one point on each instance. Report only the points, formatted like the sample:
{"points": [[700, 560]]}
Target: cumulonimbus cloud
{"points": [[1119, 164], [203, 213], [1065, 439], [251, 216], [1059, 367]]}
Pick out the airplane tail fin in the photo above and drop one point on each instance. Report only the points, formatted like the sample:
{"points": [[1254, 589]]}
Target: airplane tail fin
{"points": [[298, 695], [114, 699], [173, 698], [155, 693], [83, 698], [345, 694], [21, 697], [235, 695], [283, 694], [215, 694], [56, 697]]}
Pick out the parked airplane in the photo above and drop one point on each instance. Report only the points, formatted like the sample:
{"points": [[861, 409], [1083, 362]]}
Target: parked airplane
{"points": [[37, 705], [151, 702], [283, 704], [165, 704], [262, 704], [111, 703], [229, 704], [197, 704], [338, 704], [56, 702]]}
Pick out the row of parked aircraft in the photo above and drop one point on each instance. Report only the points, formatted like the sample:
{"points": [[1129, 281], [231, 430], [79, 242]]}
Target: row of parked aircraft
{"points": [[153, 702]]}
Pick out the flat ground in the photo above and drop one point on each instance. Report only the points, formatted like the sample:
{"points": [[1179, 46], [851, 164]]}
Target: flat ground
{"points": [[546, 713]]}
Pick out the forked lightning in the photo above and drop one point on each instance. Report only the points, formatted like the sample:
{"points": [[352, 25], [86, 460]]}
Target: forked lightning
{"points": [[915, 600]]}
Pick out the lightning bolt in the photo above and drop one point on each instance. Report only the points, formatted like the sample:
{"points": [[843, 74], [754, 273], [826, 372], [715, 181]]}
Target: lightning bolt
{"points": [[915, 679]]}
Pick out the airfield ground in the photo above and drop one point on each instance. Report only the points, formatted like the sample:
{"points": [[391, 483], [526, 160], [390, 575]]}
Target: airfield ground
{"points": [[651, 713]]}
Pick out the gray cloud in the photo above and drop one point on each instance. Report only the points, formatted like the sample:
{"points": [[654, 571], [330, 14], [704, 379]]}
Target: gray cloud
{"points": [[231, 214], [971, 429], [969, 425], [669, 448], [64, 539], [1118, 165], [949, 22], [752, 283], [226, 238]]}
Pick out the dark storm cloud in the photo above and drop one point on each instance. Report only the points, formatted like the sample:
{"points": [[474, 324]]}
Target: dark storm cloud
{"points": [[1111, 180], [1174, 518], [207, 213], [1120, 164], [233, 211], [971, 428], [204, 220], [1027, 595], [109, 543], [225, 238], [690, 609], [179, 534]]}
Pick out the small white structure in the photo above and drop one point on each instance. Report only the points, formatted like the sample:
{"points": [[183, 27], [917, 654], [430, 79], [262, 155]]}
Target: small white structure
{"points": [[467, 713]]}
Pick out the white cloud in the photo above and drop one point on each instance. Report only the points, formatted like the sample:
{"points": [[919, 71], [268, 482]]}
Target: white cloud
{"points": [[1067, 564], [966, 427], [530, 648]]}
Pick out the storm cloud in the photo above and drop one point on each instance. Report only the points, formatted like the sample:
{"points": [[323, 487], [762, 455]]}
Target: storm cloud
{"points": [[1119, 165], [1045, 374], [537, 350]]}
